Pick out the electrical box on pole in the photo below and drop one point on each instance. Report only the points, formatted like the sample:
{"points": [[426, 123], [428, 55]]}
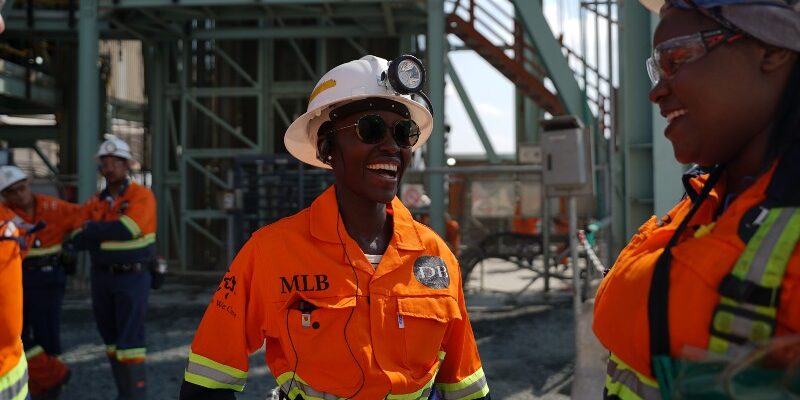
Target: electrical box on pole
{"points": [[567, 167]]}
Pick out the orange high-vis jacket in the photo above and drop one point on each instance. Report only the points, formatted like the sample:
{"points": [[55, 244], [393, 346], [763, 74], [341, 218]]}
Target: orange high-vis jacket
{"points": [[120, 229], [13, 367], [334, 326], [60, 218], [700, 261]]}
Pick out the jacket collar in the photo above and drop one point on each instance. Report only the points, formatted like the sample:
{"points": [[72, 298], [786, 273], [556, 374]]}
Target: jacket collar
{"points": [[105, 194], [326, 225]]}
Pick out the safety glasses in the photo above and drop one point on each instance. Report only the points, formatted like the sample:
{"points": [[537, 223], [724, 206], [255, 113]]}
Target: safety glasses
{"points": [[670, 55], [372, 128]]}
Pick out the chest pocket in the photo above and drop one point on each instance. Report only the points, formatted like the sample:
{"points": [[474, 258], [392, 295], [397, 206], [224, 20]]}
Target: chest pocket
{"points": [[424, 322], [314, 330]]}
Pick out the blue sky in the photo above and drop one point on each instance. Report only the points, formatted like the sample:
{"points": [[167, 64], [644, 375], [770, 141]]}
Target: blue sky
{"points": [[491, 94]]}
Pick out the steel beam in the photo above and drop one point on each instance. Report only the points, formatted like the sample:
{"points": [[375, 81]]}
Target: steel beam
{"points": [[667, 185], [88, 99], [26, 136], [298, 32], [17, 87], [266, 78], [473, 116], [184, 74], [221, 122], [213, 3], [45, 160], [436, 70], [636, 121], [159, 136], [558, 70]]}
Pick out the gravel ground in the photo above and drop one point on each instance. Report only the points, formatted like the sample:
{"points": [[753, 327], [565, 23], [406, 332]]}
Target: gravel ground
{"points": [[528, 351]]}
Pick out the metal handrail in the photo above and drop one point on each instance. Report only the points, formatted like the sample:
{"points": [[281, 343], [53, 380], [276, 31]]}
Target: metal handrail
{"points": [[473, 9]]}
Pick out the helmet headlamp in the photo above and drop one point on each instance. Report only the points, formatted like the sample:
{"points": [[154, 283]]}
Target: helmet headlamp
{"points": [[406, 74]]}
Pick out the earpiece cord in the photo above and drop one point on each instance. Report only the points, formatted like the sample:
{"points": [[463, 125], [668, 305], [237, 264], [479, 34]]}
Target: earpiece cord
{"points": [[296, 358], [352, 310]]}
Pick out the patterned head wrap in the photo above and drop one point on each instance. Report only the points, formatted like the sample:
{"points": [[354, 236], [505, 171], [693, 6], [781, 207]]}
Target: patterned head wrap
{"points": [[775, 22]]}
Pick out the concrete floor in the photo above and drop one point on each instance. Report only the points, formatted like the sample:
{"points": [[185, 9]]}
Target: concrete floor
{"points": [[527, 342]]}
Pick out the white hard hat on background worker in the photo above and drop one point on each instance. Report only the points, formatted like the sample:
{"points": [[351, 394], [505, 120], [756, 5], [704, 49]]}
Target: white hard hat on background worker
{"points": [[114, 146], [355, 80], [10, 175]]}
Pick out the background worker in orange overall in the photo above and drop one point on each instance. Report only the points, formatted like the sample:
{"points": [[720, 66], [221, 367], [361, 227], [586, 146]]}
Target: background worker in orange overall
{"points": [[353, 298], [120, 234], [719, 275], [43, 277]]}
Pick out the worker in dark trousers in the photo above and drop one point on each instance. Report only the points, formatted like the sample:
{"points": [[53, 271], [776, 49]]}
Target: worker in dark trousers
{"points": [[48, 220], [120, 233]]}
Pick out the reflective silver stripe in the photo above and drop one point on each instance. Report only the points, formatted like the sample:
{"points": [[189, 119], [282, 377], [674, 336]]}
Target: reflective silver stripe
{"points": [[473, 388], [759, 264], [629, 379], [306, 390], [427, 392], [217, 376], [11, 392], [18, 388]]}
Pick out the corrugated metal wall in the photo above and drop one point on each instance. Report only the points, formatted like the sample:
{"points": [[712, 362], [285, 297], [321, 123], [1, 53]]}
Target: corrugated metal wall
{"points": [[126, 77]]}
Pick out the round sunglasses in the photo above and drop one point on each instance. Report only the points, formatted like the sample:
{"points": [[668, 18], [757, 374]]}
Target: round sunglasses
{"points": [[371, 129]]}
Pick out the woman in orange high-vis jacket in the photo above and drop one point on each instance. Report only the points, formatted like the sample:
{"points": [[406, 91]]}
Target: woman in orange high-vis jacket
{"points": [[720, 273], [352, 297]]}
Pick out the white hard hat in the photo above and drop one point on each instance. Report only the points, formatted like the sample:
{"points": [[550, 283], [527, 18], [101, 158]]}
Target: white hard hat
{"points": [[114, 146], [351, 81], [10, 175]]}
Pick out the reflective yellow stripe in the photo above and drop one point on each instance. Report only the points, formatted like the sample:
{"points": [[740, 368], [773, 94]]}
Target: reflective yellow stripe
{"points": [[14, 384], [200, 380], [46, 251], [627, 383], [763, 262], [471, 387], [211, 374], [34, 351], [75, 232], [132, 226], [142, 242], [614, 388], [422, 393], [131, 354]]}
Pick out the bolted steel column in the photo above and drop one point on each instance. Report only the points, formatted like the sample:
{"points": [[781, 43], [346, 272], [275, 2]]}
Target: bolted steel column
{"points": [[436, 70]]}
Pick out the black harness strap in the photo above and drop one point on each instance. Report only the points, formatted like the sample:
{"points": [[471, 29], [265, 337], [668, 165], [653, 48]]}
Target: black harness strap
{"points": [[658, 298]]}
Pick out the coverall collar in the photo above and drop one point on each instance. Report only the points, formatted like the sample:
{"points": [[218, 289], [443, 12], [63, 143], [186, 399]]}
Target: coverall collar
{"points": [[105, 193], [324, 219]]}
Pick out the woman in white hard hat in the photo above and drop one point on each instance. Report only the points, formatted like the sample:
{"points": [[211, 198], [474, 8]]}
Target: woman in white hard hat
{"points": [[700, 295], [352, 297]]}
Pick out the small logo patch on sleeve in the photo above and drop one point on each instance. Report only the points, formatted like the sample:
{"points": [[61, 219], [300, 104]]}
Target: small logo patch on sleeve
{"points": [[432, 272]]}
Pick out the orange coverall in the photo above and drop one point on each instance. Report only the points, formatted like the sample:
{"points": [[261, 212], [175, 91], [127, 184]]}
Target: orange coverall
{"points": [[334, 325]]}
